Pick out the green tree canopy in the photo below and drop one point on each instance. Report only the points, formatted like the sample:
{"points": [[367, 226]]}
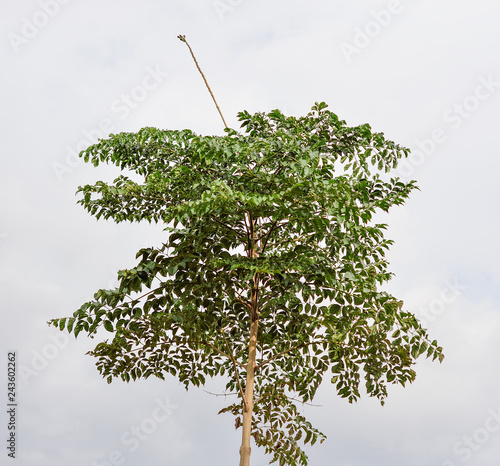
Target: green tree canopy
{"points": [[271, 271]]}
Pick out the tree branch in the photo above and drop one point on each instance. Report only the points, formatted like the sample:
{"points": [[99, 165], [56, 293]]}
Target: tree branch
{"points": [[269, 298], [274, 227], [228, 356], [268, 235], [244, 302], [276, 356], [221, 394], [236, 372], [183, 39], [241, 235], [239, 298], [288, 397]]}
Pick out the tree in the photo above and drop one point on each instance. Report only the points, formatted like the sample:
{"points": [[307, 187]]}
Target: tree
{"points": [[271, 272]]}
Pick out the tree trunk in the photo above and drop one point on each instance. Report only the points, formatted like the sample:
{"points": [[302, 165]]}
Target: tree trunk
{"points": [[245, 448]]}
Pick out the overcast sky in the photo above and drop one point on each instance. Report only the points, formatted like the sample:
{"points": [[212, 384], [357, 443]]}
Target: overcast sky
{"points": [[426, 73]]}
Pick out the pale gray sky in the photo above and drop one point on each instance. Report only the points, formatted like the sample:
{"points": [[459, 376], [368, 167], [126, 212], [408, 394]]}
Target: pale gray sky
{"points": [[425, 73]]}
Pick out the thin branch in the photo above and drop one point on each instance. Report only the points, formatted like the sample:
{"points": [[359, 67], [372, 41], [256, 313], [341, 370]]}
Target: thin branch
{"points": [[271, 228], [267, 235], [239, 298], [277, 226], [241, 235], [244, 302], [300, 238], [303, 402], [290, 398], [229, 356], [183, 39], [221, 394], [274, 227], [247, 229], [163, 284], [236, 372], [269, 298], [278, 170], [276, 356], [245, 348]]}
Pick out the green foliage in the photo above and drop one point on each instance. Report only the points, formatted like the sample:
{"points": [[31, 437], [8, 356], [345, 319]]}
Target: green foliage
{"points": [[311, 186]]}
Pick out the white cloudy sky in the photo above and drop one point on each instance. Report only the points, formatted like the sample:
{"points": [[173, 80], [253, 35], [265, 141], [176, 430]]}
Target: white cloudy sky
{"points": [[424, 72]]}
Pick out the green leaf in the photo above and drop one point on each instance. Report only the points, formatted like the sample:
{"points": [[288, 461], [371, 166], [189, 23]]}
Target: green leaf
{"points": [[108, 326]]}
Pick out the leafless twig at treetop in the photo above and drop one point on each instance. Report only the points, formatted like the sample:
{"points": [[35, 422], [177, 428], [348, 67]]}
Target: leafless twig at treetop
{"points": [[183, 39]]}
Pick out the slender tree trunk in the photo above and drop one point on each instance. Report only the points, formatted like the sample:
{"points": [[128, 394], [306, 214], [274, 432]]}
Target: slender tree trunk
{"points": [[245, 448]]}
